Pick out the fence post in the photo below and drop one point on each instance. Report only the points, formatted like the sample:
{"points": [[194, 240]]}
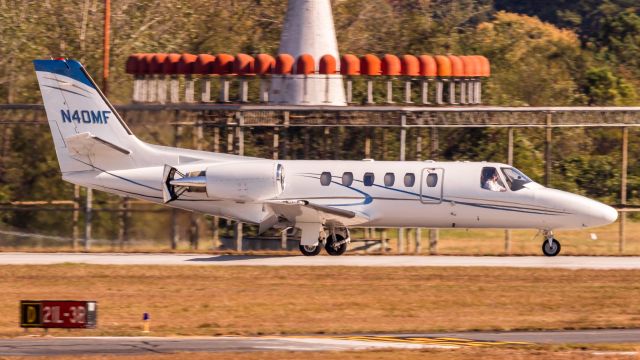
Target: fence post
{"points": [[215, 231], [547, 150], [123, 231], [403, 149], [623, 187], [240, 151], [88, 218], [434, 233], [274, 155], [76, 216], [177, 135], [418, 248], [507, 233], [196, 218]]}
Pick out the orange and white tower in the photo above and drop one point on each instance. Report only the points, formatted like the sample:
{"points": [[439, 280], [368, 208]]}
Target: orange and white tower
{"points": [[308, 35]]}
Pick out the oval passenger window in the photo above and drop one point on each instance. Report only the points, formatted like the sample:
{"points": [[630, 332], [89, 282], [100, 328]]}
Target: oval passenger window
{"points": [[389, 179], [325, 178], [347, 179], [432, 180], [409, 179], [368, 179]]}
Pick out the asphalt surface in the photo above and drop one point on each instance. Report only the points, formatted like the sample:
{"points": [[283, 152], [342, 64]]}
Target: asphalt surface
{"points": [[608, 336], [559, 262], [145, 345]]}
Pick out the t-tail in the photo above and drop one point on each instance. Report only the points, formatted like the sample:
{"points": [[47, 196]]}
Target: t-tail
{"points": [[87, 131]]}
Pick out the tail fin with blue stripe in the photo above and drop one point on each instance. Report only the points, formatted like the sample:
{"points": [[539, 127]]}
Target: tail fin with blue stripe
{"points": [[87, 131]]}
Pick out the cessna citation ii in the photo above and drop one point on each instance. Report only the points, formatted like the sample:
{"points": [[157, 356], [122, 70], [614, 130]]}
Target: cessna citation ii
{"points": [[321, 199]]}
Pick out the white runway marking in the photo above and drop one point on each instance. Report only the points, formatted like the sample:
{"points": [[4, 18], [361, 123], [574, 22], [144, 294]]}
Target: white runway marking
{"points": [[560, 262]]}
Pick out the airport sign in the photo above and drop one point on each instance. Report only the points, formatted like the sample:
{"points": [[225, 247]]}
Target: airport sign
{"points": [[63, 314]]}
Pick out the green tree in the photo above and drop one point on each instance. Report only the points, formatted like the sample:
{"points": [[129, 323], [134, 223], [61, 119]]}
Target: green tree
{"points": [[618, 39], [533, 63], [602, 87]]}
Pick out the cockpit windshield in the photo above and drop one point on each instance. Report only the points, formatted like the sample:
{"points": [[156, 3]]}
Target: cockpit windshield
{"points": [[515, 178]]}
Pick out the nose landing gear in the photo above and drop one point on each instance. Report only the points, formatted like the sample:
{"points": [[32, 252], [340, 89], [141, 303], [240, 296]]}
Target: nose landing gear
{"points": [[550, 246]]}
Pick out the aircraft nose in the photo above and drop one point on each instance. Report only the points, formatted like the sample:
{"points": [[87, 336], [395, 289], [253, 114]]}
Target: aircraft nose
{"points": [[586, 213], [607, 214], [601, 214]]}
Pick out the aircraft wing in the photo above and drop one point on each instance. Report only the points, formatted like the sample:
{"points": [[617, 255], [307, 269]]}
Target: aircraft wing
{"points": [[302, 211]]}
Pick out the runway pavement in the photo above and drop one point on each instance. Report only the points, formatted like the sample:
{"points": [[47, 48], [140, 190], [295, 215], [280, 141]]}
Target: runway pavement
{"points": [[142, 345], [559, 262]]}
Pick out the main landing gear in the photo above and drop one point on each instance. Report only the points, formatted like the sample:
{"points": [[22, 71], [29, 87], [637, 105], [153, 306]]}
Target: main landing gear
{"points": [[311, 250], [550, 246], [335, 243]]}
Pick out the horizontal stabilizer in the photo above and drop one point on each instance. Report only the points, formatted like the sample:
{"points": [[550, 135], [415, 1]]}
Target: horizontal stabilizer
{"points": [[85, 144]]}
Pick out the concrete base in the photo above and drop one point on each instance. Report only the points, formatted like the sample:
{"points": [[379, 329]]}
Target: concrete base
{"points": [[307, 90]]}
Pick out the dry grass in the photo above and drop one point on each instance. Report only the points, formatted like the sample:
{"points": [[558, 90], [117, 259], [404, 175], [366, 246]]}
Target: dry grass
{"points": [[202, 300], [463, 354]]}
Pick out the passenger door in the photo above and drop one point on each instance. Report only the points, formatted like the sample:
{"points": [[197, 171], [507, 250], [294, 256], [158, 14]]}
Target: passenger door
{"points": [[431, 185]]}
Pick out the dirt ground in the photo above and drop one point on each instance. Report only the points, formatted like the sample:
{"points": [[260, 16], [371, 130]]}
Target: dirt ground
{"points": [[202, 300]]}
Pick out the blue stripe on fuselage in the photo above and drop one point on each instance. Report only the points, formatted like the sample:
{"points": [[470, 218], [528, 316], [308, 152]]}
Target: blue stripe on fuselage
{"points": [[480, 205]]}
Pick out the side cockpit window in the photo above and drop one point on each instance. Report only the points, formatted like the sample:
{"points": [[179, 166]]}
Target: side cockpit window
{"points": [[490, 180], [515, 178]]}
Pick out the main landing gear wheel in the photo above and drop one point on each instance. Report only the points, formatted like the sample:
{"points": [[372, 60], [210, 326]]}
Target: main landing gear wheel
{"points": [[310, 250], [336, 246], [551, 248]]}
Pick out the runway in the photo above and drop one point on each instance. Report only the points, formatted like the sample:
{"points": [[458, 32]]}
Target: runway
{"points": [[560, 262], [148, 345], [140, 345]]}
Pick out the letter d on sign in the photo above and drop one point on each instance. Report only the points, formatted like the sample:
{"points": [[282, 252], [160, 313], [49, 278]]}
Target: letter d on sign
{"points": [[30, 313], [32, 316]]}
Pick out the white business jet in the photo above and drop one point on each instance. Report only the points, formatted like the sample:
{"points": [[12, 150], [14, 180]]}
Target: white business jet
{"points": [[321, 199]]}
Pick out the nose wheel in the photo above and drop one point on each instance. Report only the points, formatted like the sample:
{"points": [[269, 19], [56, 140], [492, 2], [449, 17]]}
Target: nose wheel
{"points": [[551, 246]]}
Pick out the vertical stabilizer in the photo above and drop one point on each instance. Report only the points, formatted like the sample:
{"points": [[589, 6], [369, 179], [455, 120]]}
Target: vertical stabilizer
{"points": [[84, 125]]}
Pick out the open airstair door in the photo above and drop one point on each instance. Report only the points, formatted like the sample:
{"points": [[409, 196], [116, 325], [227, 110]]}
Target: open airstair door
{"points": [[432, 185]]}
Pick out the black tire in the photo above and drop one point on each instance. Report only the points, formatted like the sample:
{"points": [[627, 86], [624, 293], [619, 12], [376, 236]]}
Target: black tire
{"points": [[335, 250], [309, 250], [551, 250]]}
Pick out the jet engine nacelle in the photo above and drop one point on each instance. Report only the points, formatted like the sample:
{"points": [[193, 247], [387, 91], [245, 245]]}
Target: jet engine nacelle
{"points": [[245, 181]]}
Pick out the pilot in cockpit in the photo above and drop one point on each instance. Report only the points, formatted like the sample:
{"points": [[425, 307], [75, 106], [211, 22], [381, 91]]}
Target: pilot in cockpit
{"points": [[491, 181]]}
